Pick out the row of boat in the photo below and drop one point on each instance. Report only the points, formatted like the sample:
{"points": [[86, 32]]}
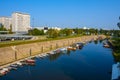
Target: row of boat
{"points": [[75, 46], [15, 66], [31, 60]]}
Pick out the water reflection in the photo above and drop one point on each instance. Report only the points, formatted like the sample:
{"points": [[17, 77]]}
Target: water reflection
{"points": [[100, 41], [92, 62], [68, 53], [96, 41], [53, 57], [116, 58]]}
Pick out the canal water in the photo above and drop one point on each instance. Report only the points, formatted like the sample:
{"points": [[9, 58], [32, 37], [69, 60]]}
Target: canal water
{"points": [[92, 62]]}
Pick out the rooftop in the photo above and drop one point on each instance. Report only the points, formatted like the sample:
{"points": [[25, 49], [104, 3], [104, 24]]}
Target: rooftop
{"points": [[21, 13]]}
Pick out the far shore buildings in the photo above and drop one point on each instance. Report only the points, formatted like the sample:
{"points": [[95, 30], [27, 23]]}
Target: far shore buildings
{"points": [[20, 22], [6, 22], [46, 28]]}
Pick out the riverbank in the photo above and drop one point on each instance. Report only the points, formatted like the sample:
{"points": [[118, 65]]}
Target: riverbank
{"points": [[69, 65], [116, 48], [18, 52]]}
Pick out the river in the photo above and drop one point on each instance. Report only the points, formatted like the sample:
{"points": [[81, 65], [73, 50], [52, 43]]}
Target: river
{"points": [[92, 62]]}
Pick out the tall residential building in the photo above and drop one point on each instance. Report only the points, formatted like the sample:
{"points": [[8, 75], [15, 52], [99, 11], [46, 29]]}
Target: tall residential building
{"points": [[6, 22], [20, 22]]}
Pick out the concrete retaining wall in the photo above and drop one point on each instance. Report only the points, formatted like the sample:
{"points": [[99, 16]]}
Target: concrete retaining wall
{"points": [[13, 53]]}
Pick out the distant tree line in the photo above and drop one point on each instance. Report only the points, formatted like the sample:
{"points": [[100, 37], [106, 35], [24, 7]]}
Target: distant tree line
{"points": [[36, 32], [54, 33]]}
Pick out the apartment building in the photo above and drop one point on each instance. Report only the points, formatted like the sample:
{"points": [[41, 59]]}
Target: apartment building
{"points": [[20, 22], [6, 22]]}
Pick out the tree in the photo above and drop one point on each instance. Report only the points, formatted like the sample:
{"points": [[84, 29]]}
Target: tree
{"points": [[36, 32], [92, 31], [118, 24], [52, 33], [66, 32], [10, 30], [2, 28]]}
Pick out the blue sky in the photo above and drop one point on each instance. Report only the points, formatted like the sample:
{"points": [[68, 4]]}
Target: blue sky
{"points": [[66, 13]]}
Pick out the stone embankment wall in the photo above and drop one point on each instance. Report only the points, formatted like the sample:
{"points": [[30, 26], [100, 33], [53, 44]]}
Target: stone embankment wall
{"points": [[13, 53]]}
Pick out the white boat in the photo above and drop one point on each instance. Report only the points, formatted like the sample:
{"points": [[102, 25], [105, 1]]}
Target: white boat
{"points": [[19, 63], [5, 69], [2, 72], [63, 49], [116, 71], [52, 52]]}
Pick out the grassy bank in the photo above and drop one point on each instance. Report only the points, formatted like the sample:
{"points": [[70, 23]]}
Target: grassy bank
{"points": [[19, 42]]}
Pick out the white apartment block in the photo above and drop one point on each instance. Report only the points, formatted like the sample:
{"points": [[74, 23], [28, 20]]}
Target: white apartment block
{"points": [[20, 22], [6, 22]]}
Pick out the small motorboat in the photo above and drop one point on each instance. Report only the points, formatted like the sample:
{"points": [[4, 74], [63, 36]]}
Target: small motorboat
{"points": [[71, 48], [79, 45], [106, 45], [63, 49], [19, 63], [13, 65], [2, 72], [30, 61]]}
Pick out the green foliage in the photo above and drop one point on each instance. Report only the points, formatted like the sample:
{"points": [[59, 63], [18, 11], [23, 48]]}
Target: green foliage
{"points": [[52, 33], [116, 49], [68, 32], [10, 30], [116, 43], [36, 32], [79, 31], [2, 28], [93, 31]]}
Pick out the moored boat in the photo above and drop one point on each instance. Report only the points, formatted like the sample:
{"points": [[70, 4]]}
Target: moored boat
{"points": [[79, 45], [71, 48], [2, 72], [106, 45], [30, 61]]}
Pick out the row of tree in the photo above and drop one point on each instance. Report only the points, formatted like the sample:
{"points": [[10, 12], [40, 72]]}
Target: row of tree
{"points": [[53, 33]]}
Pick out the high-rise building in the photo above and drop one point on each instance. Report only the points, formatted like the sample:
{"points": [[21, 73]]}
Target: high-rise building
{"points": [[6, 22], [20, 22]]}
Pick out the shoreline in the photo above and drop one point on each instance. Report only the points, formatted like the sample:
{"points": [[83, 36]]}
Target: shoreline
{"points": [[20, 52]]}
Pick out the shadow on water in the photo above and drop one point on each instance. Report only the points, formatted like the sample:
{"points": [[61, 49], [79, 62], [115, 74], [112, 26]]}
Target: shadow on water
{"points": [[53, 57], [96, 41], [116, 58], [100, 41]]}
